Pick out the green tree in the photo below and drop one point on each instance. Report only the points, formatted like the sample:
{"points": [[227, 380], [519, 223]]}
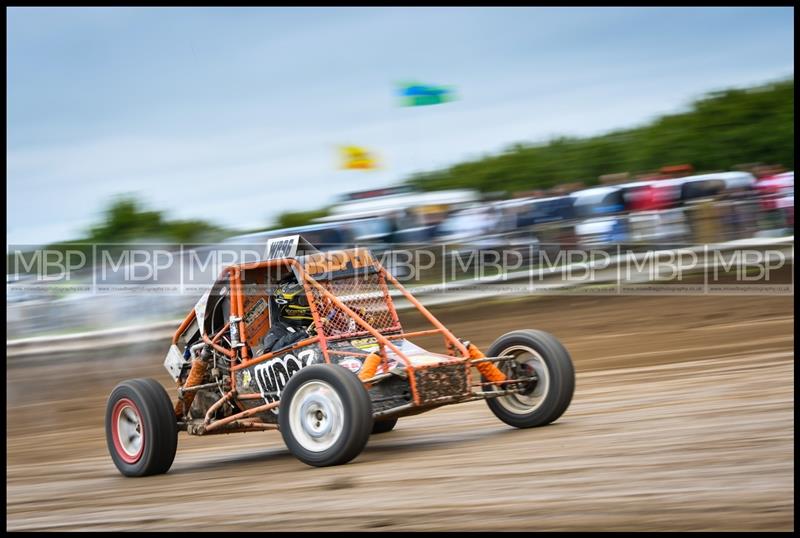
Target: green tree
{"points": [[290, 219], [126, 220], [717, 132]]}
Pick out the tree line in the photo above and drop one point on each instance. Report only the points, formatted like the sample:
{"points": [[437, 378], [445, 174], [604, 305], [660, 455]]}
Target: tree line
{"points": [[719, 131]]}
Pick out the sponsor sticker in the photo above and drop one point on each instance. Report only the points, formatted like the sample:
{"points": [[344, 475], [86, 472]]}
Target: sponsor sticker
{"points": [[367, 344], [255, 312], [352, 364]]}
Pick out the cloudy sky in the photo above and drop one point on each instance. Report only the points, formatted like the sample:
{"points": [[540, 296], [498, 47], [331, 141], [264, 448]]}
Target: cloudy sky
{"points": [[234, 115]]}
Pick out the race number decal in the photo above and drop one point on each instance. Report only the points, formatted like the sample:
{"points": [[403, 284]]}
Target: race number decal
{"points": [[273, 375], [282, 247]]}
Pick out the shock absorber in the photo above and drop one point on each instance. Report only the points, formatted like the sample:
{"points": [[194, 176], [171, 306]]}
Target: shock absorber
{"points": [[371, 364], [195, 377], [487, 369]]}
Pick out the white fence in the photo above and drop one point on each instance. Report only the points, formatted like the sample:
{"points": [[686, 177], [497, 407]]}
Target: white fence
{"points": [[620, 273]]}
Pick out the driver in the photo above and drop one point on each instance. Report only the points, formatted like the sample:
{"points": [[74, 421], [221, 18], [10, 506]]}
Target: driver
{"points": [[292, 319]]}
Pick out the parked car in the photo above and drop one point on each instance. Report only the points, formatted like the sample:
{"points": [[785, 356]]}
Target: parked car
{"points": [[600, 214]]}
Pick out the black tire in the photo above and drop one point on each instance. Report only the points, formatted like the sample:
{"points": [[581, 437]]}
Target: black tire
{"points": [[556, 393], [384, 425], [145, 401], [355, 415]]}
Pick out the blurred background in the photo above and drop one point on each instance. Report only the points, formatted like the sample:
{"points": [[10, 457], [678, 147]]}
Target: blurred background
{"points": [[530, 131], [214, 126]]}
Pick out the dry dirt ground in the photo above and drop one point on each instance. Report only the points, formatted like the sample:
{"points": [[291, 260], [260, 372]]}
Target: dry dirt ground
{"points": [[682, 420]]}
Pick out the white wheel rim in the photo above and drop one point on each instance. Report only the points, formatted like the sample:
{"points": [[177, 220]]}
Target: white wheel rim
{"points": [[129, 430], [526, 403], [316, 416]]}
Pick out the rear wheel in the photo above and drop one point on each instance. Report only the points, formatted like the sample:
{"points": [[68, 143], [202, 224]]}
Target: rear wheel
{"points": [[385, 425], [325, 415], [141, 428], [537, 355]]}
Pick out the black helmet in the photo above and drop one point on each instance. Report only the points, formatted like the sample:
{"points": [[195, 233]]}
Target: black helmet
{"points": [[290, 296]]}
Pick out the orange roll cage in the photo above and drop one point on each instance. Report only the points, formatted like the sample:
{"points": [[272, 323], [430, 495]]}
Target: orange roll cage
{"points": [[239, 355]]}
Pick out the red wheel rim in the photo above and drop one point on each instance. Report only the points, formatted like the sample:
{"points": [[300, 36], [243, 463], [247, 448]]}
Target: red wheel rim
{"points": [[127, 430]]}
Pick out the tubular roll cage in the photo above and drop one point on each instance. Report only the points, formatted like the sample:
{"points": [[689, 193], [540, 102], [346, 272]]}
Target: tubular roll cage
{"points": [[240, 359]]}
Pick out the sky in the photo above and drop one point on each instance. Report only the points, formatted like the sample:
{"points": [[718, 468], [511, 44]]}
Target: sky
{"points": [[235, 115]]}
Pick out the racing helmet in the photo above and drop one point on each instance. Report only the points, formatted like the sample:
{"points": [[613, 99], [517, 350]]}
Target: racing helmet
{"points": [[290, 297]]}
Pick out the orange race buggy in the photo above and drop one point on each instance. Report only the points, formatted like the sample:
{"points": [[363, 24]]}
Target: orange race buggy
{"points": [[355, 374]]}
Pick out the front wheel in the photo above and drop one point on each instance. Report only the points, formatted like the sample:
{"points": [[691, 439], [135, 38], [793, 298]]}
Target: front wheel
{"points": [[538, 355], [141, 428], [325, 415]]}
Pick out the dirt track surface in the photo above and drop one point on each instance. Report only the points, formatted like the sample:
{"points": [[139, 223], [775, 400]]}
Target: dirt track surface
{"points": [[682, 420]]}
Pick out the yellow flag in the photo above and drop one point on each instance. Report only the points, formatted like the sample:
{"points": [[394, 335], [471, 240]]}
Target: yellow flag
{"points": [[357, 158]]}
